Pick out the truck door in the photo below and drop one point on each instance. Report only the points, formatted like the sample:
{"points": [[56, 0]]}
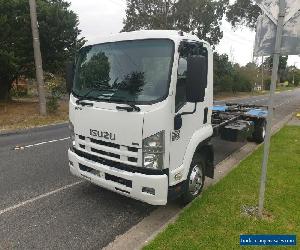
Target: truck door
{"points": [[190, 123]]}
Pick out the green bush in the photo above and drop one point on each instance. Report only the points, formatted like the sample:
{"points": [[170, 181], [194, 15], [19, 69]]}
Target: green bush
{"points": [[52, 105], [55, 91], [19, 91]]}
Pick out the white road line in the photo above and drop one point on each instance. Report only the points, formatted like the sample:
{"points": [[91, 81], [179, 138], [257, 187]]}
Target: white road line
{"points": [[41, 143], [9, 209]]}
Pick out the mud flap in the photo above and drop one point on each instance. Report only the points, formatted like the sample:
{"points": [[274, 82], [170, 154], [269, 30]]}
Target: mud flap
{"points": [[208, 152]]}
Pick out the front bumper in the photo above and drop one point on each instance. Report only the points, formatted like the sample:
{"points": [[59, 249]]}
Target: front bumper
{"points": [[134, 185]]}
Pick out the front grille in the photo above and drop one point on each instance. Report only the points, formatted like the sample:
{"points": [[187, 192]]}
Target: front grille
{"points": [[108, 150], [85, 168], [81, 137], [119, 180], [105, 153], [119, 165], [100, 160], [108, 177], [132, 159], [104, 143], [131, 149]]}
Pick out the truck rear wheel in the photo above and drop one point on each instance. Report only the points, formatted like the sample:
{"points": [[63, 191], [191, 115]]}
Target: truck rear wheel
{"points": [[260, 131], [195, 180]]}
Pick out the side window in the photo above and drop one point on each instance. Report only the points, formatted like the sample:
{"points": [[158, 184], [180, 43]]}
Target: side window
{"points": [[180, 98], [186, 49]]}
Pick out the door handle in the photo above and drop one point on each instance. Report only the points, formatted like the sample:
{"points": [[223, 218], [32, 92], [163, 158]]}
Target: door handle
{"points": [[205, 115]]}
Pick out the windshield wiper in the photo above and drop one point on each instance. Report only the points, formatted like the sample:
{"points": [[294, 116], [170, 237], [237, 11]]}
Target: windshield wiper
{"points": [[131, 107], [86, 95], [82, 98]]}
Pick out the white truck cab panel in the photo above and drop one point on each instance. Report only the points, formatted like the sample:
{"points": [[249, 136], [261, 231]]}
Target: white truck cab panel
{"points": [[127, 91]]}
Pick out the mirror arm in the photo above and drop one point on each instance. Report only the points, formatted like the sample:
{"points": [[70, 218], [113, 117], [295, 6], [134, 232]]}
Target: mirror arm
{"points": [[190, 113], [178, 118]]}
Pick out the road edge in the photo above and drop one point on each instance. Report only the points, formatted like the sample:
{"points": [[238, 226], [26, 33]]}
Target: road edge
{"points": [[250, 96], [32, 129], [147, 229]]}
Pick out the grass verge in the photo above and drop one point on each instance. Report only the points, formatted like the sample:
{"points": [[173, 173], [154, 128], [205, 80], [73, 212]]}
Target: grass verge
{"points": [[20, 114], [215, 220]]}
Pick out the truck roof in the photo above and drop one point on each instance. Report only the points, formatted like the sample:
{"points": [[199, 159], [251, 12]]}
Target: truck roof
{"points": [[174, 35]]}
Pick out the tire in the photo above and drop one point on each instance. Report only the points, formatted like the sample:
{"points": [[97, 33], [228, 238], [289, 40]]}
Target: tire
{"points": [[260, 131], [193, 187]]}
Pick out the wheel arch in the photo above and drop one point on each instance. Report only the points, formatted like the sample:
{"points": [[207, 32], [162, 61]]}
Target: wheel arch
{"points": [[207, 151], [200, 144]]}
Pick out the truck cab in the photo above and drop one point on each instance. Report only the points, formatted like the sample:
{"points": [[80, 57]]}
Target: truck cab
{"points": [[140, 115]]}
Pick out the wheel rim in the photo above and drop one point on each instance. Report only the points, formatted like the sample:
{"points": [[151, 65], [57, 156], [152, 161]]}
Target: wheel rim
{"points": [[196, 180], [263, 132]]}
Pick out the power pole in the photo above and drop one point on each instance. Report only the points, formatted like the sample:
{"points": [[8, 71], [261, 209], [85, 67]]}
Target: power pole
{"points": [[38, 58], [294, 73], [231, 53], [167, 4], [277, 50], [262, 72]]}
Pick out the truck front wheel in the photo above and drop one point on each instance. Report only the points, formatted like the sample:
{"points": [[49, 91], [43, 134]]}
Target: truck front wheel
{"points": [[195, 179]]}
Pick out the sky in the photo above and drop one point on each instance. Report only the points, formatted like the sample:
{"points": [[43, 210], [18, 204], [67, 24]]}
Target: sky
{"points": [[100, 18]]}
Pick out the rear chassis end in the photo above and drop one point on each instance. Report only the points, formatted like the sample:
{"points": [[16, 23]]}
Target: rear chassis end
{"points": [[238, 122]]}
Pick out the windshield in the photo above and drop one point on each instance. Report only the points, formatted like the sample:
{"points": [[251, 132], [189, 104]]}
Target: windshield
{"points": [[127, 71]]}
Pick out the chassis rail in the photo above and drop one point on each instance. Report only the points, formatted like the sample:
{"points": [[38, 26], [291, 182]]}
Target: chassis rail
{"points": [[239, 122]]}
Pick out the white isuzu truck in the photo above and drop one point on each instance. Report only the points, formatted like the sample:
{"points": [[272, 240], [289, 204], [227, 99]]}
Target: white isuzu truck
{"points": [[141, 109]]}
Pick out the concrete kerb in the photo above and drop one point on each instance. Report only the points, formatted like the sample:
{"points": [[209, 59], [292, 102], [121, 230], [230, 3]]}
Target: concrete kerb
{"points": [[295, 121], [146, 230]]}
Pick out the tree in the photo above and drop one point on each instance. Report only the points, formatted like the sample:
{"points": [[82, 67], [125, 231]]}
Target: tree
{"points": [[147, 14], [251, 72], [281, 67], [293, 75], [244, 79], [231, 77], [203, 17], [223, 73], [58, 35], [7, 71], [243, 12]]}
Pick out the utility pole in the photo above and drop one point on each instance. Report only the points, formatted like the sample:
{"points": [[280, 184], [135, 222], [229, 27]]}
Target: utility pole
{"points": [[167, 4], [294, 73], [262, 72], [38, 58], [232, 54], [277, 50]]}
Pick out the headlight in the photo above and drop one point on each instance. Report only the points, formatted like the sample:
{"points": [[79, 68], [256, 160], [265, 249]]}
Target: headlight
{"points": [[153, 151], [72, 135]]}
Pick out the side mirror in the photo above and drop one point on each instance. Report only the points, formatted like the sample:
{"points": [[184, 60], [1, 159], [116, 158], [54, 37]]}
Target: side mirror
{"points": [[177, 122], [69, 76], [196, 78]]}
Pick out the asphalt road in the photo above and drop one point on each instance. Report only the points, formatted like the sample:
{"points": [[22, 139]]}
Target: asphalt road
{"points": [[43, 207]]}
